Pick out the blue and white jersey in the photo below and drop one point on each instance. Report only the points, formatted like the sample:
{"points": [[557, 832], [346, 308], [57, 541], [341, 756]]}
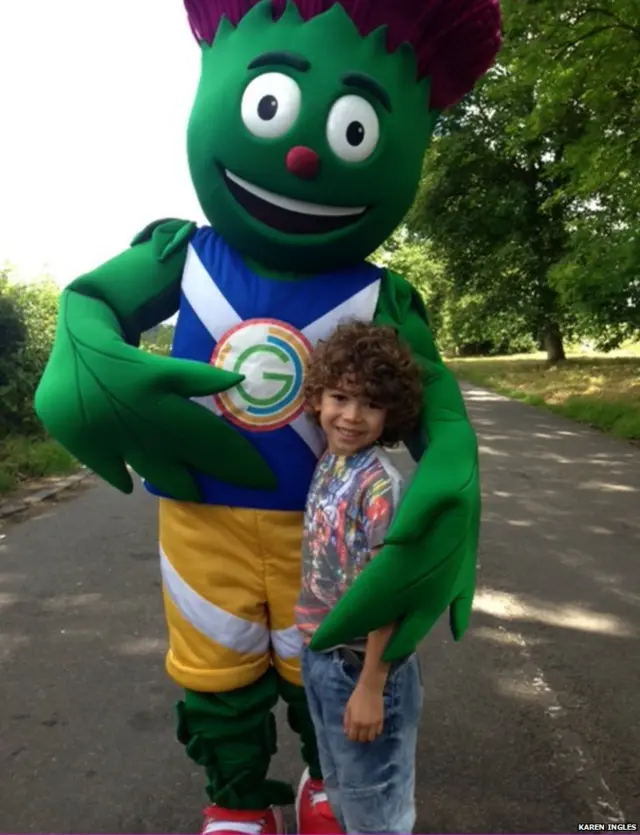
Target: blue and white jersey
{"points": [[264, 329]]}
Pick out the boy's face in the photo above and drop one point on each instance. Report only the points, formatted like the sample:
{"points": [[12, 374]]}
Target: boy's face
{"points": [[349, 420]]}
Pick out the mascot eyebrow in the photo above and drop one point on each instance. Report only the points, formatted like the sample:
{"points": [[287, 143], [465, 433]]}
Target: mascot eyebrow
{"points": [[280, 59], [297, 62], [369, 85]]}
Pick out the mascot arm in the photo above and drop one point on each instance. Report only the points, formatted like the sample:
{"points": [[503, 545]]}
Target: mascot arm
{"points": [[111, 404], [428, 562]]}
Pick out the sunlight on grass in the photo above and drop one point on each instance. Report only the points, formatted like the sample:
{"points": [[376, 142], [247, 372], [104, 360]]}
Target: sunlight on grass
{"points": [[25, 458], [600, 390]]}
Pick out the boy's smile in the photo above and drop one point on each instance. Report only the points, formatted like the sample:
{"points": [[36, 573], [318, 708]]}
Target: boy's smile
{"points": [[349, 420]]}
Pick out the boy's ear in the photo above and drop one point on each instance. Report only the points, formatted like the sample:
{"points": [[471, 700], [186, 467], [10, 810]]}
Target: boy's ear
{"points": [[312, 405]]}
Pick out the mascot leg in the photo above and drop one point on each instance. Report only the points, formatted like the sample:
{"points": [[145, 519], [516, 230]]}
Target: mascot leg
{"points": [[299, 720], [231, 578], [233, 737], [220, 652]]}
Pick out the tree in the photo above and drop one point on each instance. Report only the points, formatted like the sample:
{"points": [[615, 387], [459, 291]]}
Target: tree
{"points": [[484, 203], [412, 256], [462, 325], [583, 58], [527, 192], [28, 315], [13, 332]]}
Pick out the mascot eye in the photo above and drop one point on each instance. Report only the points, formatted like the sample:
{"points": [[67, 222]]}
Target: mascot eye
{"points": [[353, 129], [271, 105]]}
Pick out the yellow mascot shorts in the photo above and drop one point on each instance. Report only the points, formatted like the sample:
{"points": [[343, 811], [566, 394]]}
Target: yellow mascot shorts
{"points": [[231, 579]]}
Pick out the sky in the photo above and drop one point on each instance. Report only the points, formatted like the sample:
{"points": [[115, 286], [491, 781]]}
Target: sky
{"points": [[94, 103]]}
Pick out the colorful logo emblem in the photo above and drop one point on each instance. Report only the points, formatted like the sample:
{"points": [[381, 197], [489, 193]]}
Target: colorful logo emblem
{"points": [[272, 356]]}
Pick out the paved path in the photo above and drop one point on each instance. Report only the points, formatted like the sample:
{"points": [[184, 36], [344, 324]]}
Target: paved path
{"points": [[531, 724]]}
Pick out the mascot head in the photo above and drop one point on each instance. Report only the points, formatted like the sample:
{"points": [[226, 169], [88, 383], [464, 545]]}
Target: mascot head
{"points": [[312, 117]]}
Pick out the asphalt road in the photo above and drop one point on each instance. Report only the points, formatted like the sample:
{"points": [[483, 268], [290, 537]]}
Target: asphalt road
{"points": [[531, 724]]}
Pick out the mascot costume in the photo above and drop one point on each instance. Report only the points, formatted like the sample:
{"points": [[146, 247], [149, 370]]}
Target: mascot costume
{"points": [[305, 146]]}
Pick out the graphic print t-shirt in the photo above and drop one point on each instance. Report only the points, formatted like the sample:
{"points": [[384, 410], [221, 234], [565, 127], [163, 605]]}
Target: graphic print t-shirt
{"points": [[350, 506]]}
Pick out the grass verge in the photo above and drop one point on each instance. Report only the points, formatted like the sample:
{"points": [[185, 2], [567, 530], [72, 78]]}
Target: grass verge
{"points": [[25, 458], [601, 391]]}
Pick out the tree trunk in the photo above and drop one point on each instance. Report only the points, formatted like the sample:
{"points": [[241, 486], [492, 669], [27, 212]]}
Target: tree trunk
{"points": [[553, 345]]}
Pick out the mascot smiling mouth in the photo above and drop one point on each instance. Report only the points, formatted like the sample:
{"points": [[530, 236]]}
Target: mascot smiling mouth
{"points": [[296, 217]]}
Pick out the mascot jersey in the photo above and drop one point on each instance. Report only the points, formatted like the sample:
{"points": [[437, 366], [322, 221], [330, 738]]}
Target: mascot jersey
{"points": [[221, 635], [264, 329], [306, 144]]}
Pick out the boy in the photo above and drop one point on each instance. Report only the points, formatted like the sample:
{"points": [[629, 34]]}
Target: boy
{"points": [[363, 387]]}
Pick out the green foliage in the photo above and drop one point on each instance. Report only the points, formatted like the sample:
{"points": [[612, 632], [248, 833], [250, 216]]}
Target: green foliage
{"points": [[463, 324], [584, 60], [12, 330], [27, 325], [601, 392], [27, 457], [530, 190], [472, 327], [411, 256], [158, 340], [28, 315], [483, 204]]}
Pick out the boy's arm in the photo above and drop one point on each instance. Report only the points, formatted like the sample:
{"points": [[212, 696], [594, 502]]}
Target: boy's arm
{"points": [[375, 670], [364, 715]]}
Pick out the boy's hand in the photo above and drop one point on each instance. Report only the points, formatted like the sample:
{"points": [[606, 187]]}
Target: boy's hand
{"points": [[364, 715]]}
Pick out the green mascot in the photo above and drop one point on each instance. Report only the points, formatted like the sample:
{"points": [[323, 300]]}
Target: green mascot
{"points": [[305, 145]]}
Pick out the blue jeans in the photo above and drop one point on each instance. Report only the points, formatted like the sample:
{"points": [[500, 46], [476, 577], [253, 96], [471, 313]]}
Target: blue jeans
{"points": [[370, 785]]}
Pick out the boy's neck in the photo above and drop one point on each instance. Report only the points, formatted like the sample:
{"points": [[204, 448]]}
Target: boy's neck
{"points": [[340, 454]]}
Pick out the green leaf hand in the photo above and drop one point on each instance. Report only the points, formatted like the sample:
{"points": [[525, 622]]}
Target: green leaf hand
{"points": [[111, 404]]}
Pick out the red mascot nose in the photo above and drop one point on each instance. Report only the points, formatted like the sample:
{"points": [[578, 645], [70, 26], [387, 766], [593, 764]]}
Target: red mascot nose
{"points": [[303, 162]]}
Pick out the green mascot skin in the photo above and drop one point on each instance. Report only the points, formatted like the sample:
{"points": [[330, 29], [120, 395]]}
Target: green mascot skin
{"points": [[111, 404]]}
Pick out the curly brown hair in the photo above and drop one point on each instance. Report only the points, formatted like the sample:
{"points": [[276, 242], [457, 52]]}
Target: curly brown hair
{"points": [[376, 363]]}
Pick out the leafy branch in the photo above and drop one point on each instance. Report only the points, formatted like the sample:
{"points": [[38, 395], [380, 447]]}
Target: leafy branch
{"points": [[620, 24]]}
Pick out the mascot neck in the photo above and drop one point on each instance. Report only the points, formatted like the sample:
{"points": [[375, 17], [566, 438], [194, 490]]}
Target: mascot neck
{"points": [[277, 275]]}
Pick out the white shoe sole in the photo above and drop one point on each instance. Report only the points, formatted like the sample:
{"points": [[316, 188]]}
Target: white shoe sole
{"points": [[240, 827], [280, 824], [303, 780]]}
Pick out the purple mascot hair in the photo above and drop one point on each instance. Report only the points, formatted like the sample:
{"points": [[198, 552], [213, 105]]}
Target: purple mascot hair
{"points": [[455, 41]]}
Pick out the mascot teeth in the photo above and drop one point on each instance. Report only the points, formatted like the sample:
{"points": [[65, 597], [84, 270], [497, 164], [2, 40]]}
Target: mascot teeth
{"points": [[291, 205]]}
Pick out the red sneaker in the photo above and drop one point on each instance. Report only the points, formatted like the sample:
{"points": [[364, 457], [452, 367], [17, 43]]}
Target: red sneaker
{"points": [[313, 811], [231, 822]]}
